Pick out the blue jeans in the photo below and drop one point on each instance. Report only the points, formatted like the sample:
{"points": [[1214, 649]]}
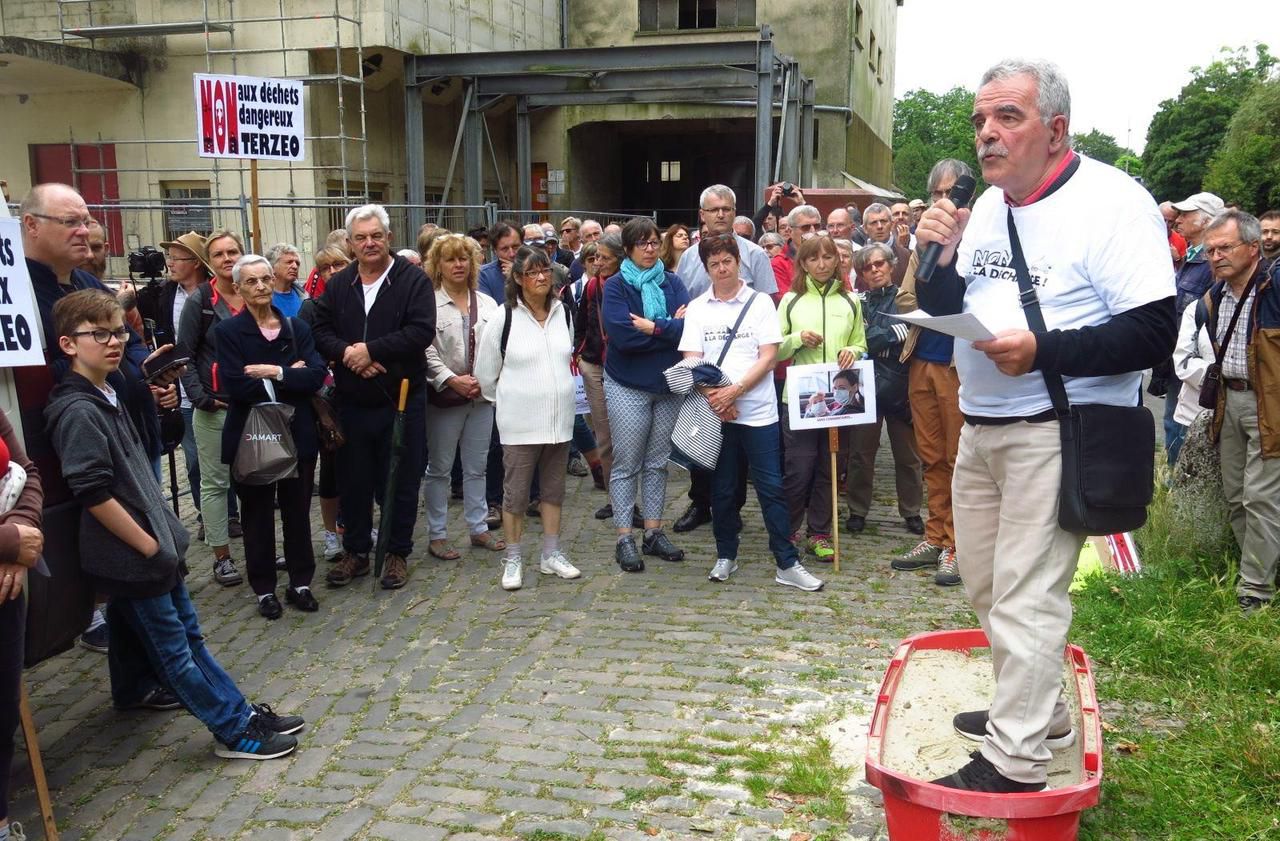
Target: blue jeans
{"points": [[1174, 432], [762, 448], [583, 440], [163, 634]]}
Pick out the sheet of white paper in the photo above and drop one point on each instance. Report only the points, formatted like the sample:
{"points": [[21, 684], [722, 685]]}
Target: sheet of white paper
{"points": [[963, 326]]}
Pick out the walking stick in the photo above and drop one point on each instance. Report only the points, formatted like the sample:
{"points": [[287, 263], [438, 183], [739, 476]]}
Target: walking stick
{"points": [[388, 496], [833, 444], [173, 482], [37, 764]]}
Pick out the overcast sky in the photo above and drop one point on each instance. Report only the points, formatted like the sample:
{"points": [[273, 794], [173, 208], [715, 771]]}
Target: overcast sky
{"points": [[1120, 57]]}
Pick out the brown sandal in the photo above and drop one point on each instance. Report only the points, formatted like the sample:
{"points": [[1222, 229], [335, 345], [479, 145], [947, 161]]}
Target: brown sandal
{"points": [[486, 540], [442, 550]]}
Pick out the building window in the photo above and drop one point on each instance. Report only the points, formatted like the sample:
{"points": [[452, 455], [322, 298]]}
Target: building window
{"points": [[880, 65], [670, 170], [871, 51], [659, 15], [857, 23], [186, 208]]}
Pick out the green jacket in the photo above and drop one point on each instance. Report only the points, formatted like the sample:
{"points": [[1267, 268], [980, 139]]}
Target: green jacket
{"points": [[835, 313]]}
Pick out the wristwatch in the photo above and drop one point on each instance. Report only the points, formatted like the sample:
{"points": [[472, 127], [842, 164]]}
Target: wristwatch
{"points": [[280, 376]]}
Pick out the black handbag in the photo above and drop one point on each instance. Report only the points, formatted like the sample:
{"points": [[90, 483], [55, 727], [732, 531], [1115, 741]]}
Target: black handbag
{"points": [[447, 398], [1108, 452], [1212, 382]]}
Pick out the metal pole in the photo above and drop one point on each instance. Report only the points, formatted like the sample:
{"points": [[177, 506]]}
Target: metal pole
{"points": [[807, 130], [783, 134], [473, 168], [764, 114], [415, 166], [791, 124], [453, 158], [524, 155], [493, 158]]}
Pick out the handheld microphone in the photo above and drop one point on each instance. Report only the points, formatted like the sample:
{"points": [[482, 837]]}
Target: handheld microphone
{"points": [[961, 193]]}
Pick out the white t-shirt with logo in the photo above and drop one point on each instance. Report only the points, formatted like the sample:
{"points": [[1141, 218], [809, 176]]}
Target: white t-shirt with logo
{"points": [[707, 323], [1096, 247]]}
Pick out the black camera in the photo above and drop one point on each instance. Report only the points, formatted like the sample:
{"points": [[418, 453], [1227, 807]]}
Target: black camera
{"points": [[788, 188], [148, 262]]}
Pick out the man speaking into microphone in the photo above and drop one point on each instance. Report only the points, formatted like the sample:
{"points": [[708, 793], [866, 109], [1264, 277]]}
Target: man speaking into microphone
{"points": [[1097, 259]]}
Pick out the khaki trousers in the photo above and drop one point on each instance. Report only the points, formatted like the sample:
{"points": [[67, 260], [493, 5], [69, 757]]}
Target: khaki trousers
{"points": [[593, 385], [934, 392], [1251, 485], [1017, 564]]}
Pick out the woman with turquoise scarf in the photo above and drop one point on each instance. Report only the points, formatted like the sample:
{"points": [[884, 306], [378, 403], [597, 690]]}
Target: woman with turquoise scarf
{"points": [[642, 314]]}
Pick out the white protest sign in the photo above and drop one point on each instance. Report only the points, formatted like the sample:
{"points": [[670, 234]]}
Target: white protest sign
{"points": [[19, 320], [249, 117]]}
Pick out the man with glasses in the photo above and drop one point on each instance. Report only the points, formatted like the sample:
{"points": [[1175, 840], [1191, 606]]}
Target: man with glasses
{"points": [[374, 321], [570, 227], [717, 207], [55, 238], [933, 390]]}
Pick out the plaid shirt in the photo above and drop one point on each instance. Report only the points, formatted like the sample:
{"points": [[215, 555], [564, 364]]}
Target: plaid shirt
{"points": [[1235, 364]]}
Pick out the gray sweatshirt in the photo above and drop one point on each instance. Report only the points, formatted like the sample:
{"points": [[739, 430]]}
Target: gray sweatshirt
{"points": [[102, 458]]}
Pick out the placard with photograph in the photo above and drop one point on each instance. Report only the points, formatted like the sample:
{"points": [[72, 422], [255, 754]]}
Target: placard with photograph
{"points": [[824, 395]]}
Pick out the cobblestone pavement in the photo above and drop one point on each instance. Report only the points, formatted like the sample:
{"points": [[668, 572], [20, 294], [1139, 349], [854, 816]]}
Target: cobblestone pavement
{"points": [[612, 707]]}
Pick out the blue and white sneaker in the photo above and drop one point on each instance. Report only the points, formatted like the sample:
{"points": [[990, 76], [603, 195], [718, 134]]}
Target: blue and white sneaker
{"points": [[257, 741]]}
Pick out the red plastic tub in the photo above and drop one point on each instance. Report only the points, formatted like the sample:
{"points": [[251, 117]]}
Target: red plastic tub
{"points": [[916, 810]]}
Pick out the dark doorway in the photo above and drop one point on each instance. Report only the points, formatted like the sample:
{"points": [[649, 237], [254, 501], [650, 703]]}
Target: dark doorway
{"points": [[661, 166]]}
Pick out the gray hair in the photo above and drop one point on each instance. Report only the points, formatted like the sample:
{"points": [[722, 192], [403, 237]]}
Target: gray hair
{"points": [[738, 220], [808, 211], [720, 191], [947, 166], [864, 254], [275, 252], [846, 245], [770, 238], [613, 242], [368, 211], [586, 222], [1054, 97], [244, 262], [1247, 225], [877, 209]]}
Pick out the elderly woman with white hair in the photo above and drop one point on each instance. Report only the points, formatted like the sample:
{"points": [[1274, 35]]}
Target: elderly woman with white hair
{"points": [[265, 355], [287, 293]]}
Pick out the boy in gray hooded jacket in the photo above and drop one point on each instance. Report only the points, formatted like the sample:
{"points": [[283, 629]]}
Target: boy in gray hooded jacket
{"points": [[132, 545]]}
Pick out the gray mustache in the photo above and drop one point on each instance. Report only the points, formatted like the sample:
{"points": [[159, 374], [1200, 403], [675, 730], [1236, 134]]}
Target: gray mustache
{"points": [[992, 149]]}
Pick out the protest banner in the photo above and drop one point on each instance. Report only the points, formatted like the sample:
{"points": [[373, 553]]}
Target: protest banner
{"points": [[19, 321]]}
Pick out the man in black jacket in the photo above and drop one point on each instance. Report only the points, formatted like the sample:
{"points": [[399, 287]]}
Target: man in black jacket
{"points": [[375, 320]]}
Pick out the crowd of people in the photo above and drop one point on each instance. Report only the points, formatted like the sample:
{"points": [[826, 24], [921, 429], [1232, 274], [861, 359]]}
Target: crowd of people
{"points": [[473, 342]]}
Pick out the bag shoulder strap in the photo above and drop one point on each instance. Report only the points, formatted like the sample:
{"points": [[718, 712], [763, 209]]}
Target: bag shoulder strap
{"points": [[1035, 319], [506, 329], [733, 333], [1235, 316], [472, 317]]}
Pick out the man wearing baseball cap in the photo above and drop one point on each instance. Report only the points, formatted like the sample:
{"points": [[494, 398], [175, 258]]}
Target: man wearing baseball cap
{"points": [[917, 210], [1194, 278]]}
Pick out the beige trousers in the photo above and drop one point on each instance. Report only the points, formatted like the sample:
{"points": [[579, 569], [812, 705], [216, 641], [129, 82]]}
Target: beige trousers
{"points": [[1251, 485], [1017, 564]]}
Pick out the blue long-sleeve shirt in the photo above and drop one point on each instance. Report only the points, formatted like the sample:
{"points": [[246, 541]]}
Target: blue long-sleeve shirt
{"points": [[635, 359]]}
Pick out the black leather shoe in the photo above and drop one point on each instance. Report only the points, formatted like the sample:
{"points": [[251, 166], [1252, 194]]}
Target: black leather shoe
{"points": [[269, 606], [302, 599], [627, 557], [694, 516], [661, 546], [534, 509], [855, 523], [915, 524], [605, 512]]}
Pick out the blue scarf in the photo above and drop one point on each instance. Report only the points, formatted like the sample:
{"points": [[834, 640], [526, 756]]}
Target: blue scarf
{"points": [[649, 282]]}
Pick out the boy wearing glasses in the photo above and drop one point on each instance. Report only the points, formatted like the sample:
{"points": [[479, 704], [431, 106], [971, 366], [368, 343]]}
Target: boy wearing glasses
{"points": [[133, 544]]}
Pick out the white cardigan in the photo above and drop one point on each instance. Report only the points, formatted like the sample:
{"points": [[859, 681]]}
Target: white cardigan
{"points": [[532, 387], [1191, 358]]}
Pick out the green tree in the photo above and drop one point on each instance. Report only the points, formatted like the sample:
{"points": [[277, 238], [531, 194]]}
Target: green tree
{"points": [[928, 127], [1186, 131], [1246, 167], [1100, 146], [1130, 163]]}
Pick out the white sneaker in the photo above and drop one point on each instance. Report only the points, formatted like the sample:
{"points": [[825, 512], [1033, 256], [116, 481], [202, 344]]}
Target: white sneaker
{"points": [[373, 535], [556, 563], [332, 546], [512, 574], [798, 577], [722, 570]]}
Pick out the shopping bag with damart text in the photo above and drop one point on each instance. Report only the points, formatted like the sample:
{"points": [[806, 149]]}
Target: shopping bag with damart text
{"points": [[267, 452]]}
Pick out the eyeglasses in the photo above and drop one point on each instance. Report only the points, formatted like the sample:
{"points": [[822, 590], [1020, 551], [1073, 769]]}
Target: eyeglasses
{"points": [[876, 265], [71, 223], [171, 259], [255, 281], [649, 244], [1224, 250], [537, 274], [568, 230], [101, 335], [808, 226], [537, 242], [719, 211]]}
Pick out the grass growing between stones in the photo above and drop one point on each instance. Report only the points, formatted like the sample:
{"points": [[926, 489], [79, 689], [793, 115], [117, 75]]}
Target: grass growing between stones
{"points": [[1191, 690]]}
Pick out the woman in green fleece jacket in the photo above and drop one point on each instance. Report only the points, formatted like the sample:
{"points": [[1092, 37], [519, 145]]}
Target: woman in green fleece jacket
{"points": [[821, 322]]}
